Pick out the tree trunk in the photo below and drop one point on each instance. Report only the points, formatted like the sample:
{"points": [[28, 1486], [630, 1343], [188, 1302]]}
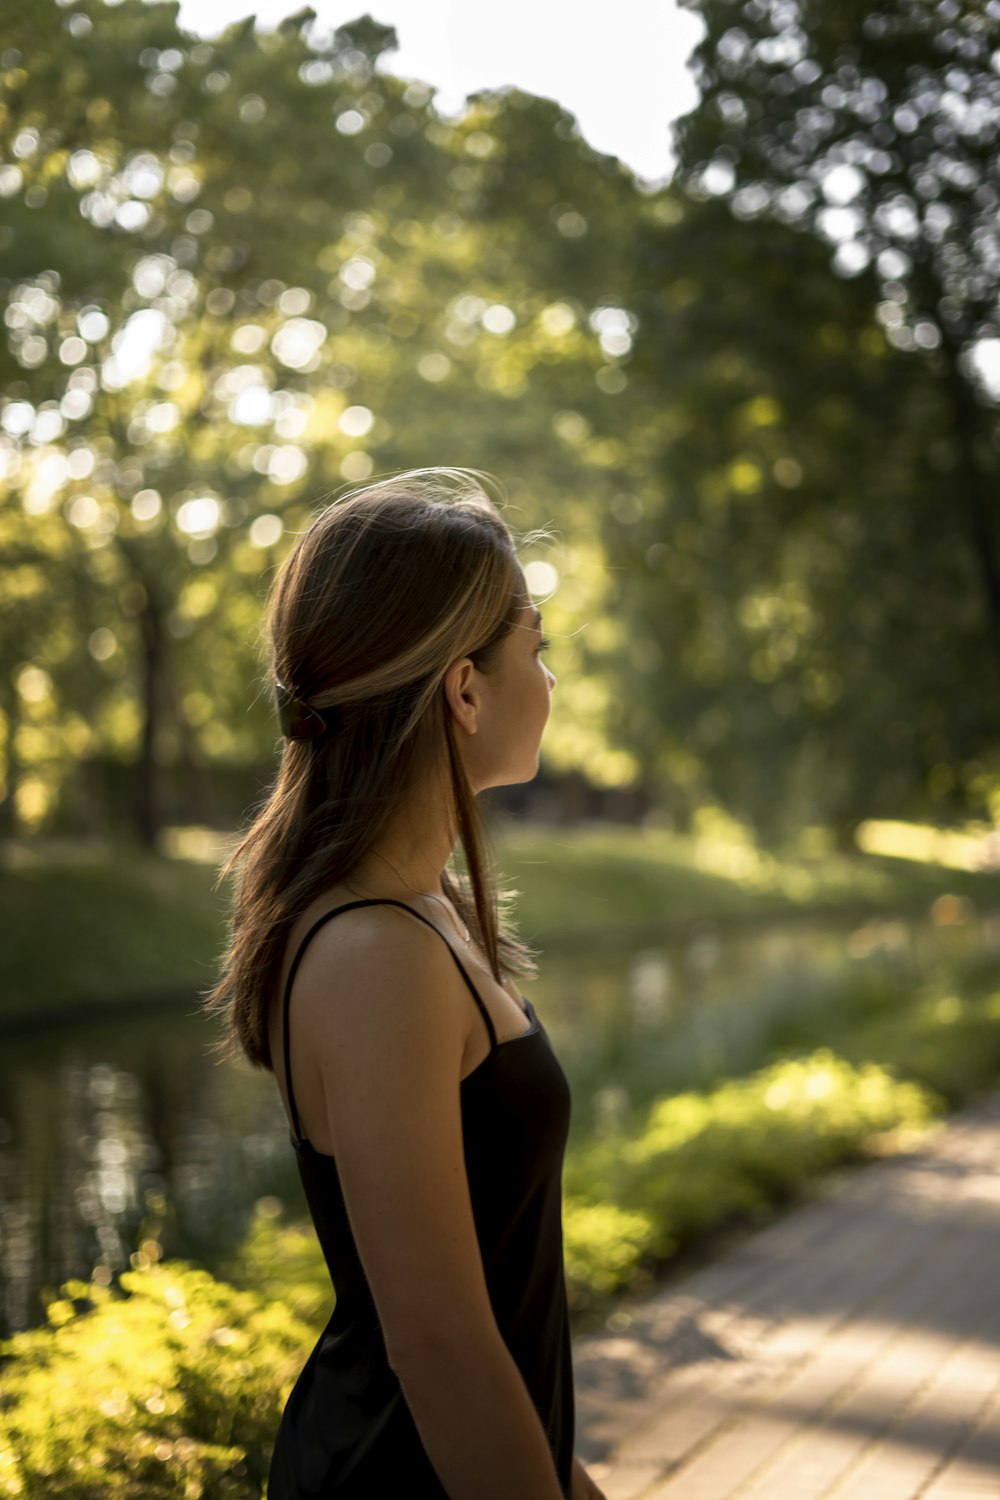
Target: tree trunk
{"points": [[976, 491], [199, 800], [149, 802], [12, 769], [151, 614]]}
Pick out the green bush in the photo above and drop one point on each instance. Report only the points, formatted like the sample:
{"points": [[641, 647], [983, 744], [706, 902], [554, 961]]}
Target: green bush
{"points": [[945, 1041], [283, 1263], [695, 1162], [603, 1245], [168, 1390]]}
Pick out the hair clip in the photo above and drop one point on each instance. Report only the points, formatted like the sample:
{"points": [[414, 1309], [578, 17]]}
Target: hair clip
{"points": [[298, 720]]}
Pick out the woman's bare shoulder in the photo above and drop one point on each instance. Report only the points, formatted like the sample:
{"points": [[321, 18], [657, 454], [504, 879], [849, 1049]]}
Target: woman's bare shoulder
{"points": [[387, 930], [373, 970]]}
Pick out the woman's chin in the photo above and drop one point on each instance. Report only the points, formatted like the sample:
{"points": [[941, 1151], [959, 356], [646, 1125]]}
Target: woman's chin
{"points": [[511, 776]]}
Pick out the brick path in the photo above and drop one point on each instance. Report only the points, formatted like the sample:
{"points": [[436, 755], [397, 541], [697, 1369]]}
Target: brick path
{"points": [[850, 1351]]}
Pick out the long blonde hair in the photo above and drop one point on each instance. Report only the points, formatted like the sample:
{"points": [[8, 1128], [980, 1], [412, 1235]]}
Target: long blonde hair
{"points": [[386, 589]]}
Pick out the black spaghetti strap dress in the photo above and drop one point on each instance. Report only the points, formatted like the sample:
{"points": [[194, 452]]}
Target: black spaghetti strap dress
{"points": [[347, 1432]]}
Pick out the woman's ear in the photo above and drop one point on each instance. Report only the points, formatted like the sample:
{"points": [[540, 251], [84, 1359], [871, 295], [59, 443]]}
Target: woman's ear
{"points": [[461, 691]]}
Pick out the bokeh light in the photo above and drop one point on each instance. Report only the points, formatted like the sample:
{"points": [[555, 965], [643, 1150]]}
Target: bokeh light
{"points": [[541, 577]]}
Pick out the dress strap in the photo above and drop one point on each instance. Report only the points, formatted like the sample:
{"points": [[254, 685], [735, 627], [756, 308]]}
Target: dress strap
{"points": [[300, 953]]}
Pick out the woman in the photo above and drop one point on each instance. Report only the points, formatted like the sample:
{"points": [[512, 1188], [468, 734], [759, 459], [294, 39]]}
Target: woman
{"points": [[427, 1109]]}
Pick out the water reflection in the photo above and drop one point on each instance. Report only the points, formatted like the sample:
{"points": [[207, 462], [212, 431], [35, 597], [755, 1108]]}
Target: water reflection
{"points": [[649, 984], [123, 1142], [127, 1140]]}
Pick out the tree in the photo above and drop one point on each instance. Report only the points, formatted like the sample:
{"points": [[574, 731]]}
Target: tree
{"points": [[238, 275], [878, 130], [823, 530]]}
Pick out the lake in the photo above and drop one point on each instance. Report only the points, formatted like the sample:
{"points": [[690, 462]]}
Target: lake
{"points": [[128, 1129]]}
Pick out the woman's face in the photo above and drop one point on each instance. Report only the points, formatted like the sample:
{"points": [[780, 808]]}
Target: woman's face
{"points": [[514, 702]]}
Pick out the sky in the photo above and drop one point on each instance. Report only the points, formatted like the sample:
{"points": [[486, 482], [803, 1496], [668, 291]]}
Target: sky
{"points": [[620, 69]]}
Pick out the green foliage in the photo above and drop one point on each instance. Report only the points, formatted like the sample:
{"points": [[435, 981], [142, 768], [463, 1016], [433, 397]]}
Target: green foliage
{"points": [[283, 1262], [696, 1162], [604, 1244], [654, 1181], [768, 478], [833, 466], [947, 1039], [172, 1390], [185, 380]]}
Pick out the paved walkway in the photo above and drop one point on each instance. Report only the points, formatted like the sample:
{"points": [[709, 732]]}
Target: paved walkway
{"points": [[850, 1351]]}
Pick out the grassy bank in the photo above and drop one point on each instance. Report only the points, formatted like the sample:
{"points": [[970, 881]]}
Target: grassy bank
{"points": [[96, 927], [92, 925], [603, 882]]}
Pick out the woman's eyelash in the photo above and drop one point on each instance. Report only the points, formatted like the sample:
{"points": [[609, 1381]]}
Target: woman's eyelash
{"points": [[544, 643]]}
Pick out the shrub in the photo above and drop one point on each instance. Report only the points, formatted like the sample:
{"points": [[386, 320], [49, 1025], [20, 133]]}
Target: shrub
{"points": [[283, 1263], [698, 1161], [948, 1042], [603, 1245], [170, 1388]]}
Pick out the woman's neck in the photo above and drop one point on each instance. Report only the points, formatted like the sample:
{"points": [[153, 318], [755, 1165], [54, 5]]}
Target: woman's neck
{"points": [[412, 850]]}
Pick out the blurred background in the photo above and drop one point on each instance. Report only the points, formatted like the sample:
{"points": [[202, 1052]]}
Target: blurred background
{"points": [[713, 291]]}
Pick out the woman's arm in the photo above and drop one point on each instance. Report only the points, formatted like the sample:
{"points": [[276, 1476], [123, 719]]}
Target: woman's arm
{"points": [[385, 1016], [582, 1487]]}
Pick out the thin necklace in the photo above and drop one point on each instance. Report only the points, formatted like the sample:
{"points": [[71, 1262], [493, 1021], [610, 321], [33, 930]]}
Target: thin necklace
{"points": [[464, 932]]}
